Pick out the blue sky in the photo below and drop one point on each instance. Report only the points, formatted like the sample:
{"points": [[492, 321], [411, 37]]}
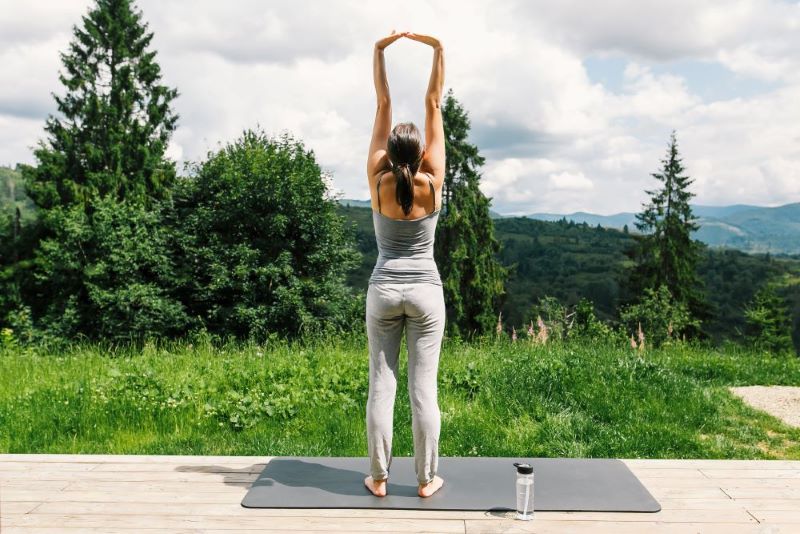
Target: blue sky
{"points": [[571, 103], [708, 79]]}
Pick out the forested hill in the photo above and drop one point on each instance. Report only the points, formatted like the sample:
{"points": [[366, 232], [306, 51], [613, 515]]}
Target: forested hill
{"points": [[741, 226], [744, 227], [569, 261]]}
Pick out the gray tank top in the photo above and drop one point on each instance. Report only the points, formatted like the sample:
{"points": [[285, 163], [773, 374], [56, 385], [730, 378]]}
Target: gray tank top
{"points": [[405, 247]]}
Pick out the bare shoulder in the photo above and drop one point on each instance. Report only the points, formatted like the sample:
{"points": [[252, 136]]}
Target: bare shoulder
{"points": [[436, 176]]}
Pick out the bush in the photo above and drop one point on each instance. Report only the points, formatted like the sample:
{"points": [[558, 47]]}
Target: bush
{"points": [[769, 322], [261, 247], [661, 317], [106, 273]]}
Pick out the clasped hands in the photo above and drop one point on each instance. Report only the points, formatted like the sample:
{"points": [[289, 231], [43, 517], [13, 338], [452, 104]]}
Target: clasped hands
{"points": [[380, 44]]}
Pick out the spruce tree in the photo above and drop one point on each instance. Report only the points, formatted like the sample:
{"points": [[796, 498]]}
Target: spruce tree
{"points": [[99, 262], [769, 321], [666, 253], [466, 248], [116, 120]]}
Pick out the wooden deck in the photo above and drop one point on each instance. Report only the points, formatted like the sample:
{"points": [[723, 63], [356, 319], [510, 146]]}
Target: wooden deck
{"points": [[110, 493]]}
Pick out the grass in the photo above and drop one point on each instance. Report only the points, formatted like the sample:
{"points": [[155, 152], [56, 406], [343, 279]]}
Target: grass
{"points": [[497, 398]]}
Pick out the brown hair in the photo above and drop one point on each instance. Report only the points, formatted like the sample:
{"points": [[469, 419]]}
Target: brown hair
{"points": [[405, 154]]}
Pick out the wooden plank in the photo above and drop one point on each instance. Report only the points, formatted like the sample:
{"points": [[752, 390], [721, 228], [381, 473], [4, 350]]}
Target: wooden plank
{"points": [[235, 509], [105, 530], [542, 525], [751, 473], [778, 516], [641, 463], [164, 467], [42, 484], [687, 493], [129, 476], [665, 516], [734, 482], [721, 503], [170, 523], [6, 467], [763, 493], [234, 488], [17, 507], [135, 458], [28, 494]]}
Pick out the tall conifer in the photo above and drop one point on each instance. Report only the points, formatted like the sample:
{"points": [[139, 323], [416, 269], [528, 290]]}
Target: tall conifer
{"points": [[116, 120], [666, 253], [466, 247]]}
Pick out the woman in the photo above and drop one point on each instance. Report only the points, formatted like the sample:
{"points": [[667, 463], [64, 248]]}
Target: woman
{"points": [[405, 181]]}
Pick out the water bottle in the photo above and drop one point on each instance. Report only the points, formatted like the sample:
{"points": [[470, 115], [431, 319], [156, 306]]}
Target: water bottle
{"points": [[524, 491]]}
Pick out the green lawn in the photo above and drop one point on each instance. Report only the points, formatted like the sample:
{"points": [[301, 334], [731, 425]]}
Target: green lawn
{"points": [[497, 398]]}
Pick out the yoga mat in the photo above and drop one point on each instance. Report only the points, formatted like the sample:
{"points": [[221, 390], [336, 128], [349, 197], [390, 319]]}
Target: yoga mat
{"points": [[470, 483]]}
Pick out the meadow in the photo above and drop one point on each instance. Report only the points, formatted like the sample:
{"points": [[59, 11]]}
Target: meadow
{"points": [[497, 398]]}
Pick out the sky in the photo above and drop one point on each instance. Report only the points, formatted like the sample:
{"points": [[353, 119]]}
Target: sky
{"points": [[570, 103]]}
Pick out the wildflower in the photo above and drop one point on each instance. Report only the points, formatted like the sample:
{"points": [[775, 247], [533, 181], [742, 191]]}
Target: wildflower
{"points": [[641, 337], [513, 334], [669, 328], [633, 342], [499, 324], [542, 336], [530, 331]]}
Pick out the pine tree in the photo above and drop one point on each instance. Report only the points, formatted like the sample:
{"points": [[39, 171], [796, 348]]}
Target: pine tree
{"points": [[769, 321], [116, 117], [466, 247], [666, 253], [99, 260]]}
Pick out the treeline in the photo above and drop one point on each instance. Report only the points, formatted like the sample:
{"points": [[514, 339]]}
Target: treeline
{"points": [[571, 261], [121, 247], [116, 244]]}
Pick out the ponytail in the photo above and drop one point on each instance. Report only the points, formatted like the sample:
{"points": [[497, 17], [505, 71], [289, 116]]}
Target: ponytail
{"points": [[404, 192], [405, 151]]}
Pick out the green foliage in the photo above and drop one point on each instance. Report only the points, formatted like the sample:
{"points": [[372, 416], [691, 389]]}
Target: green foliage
{"points": [[769, 322], [108, 276], [465, 246], [116, 120], [555, 316], [661, 316], [261, 248], [570, 262], [666, 253], [95, 265], [570, 322], [497, 399], [587, 326]]}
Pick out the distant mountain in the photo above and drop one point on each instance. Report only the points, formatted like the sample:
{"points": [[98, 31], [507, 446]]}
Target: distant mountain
{"points": [[741, 226], [356, 203], [367, 204], [744, 227]]}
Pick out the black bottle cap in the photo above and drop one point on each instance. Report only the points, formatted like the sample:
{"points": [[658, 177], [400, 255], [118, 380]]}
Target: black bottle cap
{"points": [[524, 468]]}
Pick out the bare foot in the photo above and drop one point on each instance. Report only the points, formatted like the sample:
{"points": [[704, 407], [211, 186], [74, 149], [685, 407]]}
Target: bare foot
{"points": [[426, 490], [377, 487]]}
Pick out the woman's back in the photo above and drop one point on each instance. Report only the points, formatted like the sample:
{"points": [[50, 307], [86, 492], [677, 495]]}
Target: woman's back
{"points": [[405, 247]]}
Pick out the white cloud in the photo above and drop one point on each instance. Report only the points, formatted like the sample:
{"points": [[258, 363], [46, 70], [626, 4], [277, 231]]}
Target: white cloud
{"points": [[569, 180], [554, 140]]}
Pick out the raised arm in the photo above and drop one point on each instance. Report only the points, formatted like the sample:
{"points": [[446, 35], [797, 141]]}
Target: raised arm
{"points": [[434, 160], [377, 159]]}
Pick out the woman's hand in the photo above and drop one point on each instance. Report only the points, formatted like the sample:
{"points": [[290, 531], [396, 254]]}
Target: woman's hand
{"points": [[380, 44], [427, 39]]}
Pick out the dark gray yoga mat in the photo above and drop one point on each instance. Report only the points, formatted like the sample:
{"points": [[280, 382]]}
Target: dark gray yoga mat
{"points": [[470, 483]]}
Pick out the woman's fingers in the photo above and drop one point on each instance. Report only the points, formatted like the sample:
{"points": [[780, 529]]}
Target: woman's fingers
{"points": [[386, 41], [427, 39]]}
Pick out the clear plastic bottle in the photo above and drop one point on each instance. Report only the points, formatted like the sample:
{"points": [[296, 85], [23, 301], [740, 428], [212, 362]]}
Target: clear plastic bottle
{"points": [[524, 491]]}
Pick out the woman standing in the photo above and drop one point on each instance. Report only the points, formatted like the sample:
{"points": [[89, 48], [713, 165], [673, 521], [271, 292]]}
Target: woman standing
{"points": [[405, 180]]}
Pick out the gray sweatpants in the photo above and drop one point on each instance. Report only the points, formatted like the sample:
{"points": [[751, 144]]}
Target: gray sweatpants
{"points": [[420, 307]]}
